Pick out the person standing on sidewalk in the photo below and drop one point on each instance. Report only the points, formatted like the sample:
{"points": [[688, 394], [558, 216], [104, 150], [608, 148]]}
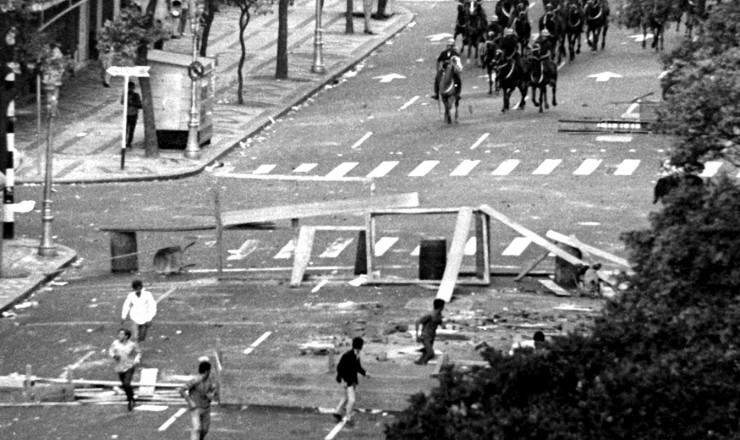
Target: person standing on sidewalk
{"points": [[429, 324], [367, 9], [141, 308], [132, 112], [127, 356], [347, 368], [199, 393]]}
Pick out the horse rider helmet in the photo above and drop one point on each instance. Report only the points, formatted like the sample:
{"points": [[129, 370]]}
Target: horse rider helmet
{"points": [[545, 33], [509, 31], [451, 42]]}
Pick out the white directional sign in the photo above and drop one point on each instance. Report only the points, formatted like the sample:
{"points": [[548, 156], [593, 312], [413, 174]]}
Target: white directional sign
{"points": [[128, 71], [438, 37], [389, 77], [605, 76]]}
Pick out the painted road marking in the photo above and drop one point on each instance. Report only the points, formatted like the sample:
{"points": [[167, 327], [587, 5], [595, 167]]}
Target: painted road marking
{"points": [[614, 138], [264, 169], [604, 76], [333, 433], [480, 141], [587, 167], [630, 113], [336, 248], [382, 245], [423, 168], [341, 170], [416, 251], [470, 246], [365, 137], [259, 340], [710, 168], [76, 364], [321, 284], [305, 167], [166, 294], [506, 167], [627, 167], [244, 250], [172, 419], [547, 166], [383, 169], [516, 247], [409, 103], [465, 167], [286, 252]]}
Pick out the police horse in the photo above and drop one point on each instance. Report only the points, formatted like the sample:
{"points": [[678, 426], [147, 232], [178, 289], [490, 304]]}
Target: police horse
{"points": [[597, 23], [543, 72], [449, 95], [513, 73]]}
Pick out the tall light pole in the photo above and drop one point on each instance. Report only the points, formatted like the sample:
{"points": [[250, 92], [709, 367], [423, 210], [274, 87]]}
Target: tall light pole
{"points": [[318, 42], [192, 149], [52, 81]]}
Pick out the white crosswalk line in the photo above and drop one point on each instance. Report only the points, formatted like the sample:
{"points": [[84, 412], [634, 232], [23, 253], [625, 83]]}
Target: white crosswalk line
{"points": [[336, 248], [480, 140], [627, 167], [385, 243], [711, 168], [305, 167], [286, 252], [516, 247], [416, 252], [464, 168], [383, 169], [470, 246], [547, 166], [264, 169], [587, 167], [506, 167], [423, 168], [341, 170]]}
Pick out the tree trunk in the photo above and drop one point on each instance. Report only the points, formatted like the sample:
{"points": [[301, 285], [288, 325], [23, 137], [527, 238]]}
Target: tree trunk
{"points": [[349, 26], [147, 101], [281, 69], [243, 22], [208, 15]]}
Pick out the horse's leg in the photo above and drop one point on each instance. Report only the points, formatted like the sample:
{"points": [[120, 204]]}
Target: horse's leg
{"points": [[457, 104], [644, 35], [490, 81], [554, 85], [506, 100], [603, 37], [523, 91]]}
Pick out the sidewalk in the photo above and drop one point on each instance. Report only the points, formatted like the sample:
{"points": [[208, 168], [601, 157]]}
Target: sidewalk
{"points": [[87, 132]]}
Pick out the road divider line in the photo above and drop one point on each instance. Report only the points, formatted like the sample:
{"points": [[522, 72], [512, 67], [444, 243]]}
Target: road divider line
{"points": [[362, 139], [321, 284], [256, 343], [409, 103], [333, 433], [172, 419], [480, 140], [166, 294]]}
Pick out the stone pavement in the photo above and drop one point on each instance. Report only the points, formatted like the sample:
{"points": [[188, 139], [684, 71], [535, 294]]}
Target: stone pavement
{"points": [[87, 132]]}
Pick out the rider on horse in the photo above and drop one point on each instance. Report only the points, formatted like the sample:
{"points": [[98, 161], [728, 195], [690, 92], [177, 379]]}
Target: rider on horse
{"points": [[494, 26], [442, 60], [545, 43], [510, 44]]}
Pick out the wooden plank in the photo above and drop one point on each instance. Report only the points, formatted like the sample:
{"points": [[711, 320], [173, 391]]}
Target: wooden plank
{"points": [[148, 381], [559, 291], [573, 241], [537, 239], [219, 231], [359, 206], [466, 281], [455, 255], [258, 217], [482, 246], [302, 254], [529, 268]]}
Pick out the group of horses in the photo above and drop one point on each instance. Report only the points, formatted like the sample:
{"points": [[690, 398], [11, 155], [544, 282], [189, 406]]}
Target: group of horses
{"points": [[519, 63], [653, 16]]}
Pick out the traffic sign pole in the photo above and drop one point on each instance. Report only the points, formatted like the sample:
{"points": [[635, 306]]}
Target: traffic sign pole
{"points": [[126, 72]]}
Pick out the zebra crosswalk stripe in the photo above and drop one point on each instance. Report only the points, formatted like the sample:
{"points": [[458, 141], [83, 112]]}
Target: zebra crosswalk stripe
{"points": [[465, 168], [383, 169], [305, 167], [587, 167], [336, 248], [627, 167], [711, 168], [264, 169], [382, 245], [286, 252], [342, 169], [424, 168], [516, 247], [547, 166], [506, 167]]}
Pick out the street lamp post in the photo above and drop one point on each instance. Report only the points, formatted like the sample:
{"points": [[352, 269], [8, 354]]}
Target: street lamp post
{"points": [[192, 149], [51, 87], [318, 42]]}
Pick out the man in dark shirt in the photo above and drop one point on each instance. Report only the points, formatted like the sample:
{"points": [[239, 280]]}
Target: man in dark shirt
{"points": [[445, 56], [199, 392], [132, 112], [429, 323], [347, 369]]}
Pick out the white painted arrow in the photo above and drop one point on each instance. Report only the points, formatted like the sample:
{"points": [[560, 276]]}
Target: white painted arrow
{"points": [[438, 37], [604, 76], [389, 77], [128, 70], [23, 207]]}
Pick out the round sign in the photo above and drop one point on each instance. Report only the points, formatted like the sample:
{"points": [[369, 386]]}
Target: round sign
{"points": [[196, 70]]}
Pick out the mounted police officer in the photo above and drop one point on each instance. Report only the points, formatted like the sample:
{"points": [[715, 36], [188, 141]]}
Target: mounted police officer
{"points": [[444, 57], [545, 43], [510, 44]]}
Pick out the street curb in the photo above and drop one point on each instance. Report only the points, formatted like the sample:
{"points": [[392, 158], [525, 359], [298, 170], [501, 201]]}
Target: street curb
{"points": [[37, 280], [253, 127]]}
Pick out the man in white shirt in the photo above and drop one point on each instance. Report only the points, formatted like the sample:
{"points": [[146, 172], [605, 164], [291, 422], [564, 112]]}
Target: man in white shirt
{"points": [[141, 308], [535, 343]]}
